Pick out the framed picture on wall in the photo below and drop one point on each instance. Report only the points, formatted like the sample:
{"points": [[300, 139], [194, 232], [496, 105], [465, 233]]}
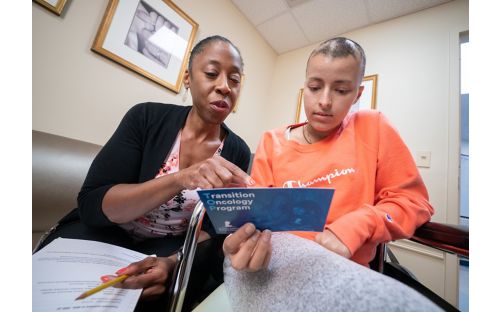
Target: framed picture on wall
{"points": [[300, 113], [55, 6], [150, 37], [368, 99]]}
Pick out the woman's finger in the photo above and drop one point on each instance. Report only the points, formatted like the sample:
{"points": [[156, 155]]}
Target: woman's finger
{"points": [[209, 173], [153, 292], [239, 176], [148, 279], [224, 175], [139, 266]]}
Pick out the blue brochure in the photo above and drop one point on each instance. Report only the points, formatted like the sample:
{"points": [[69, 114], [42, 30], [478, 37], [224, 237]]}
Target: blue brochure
{"points": [[275, 209]]}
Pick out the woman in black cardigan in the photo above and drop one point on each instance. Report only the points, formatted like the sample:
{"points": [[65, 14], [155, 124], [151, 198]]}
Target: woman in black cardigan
{"points": [[140, 189]]}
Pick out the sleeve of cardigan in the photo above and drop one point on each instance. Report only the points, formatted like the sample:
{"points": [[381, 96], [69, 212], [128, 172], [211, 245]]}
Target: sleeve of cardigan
{"points": [[243, 160], [401, 199], [119, 161], [236, 151]]}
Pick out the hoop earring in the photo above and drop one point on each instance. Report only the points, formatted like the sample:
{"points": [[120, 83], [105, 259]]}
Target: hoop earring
{"points": [[184, 96]]}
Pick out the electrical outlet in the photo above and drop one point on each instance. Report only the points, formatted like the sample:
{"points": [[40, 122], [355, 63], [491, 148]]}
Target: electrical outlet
{"points": [[423, 159]]}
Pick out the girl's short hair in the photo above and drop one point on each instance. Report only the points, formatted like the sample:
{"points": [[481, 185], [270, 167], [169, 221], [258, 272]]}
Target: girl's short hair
{"points": [[342, 47]]}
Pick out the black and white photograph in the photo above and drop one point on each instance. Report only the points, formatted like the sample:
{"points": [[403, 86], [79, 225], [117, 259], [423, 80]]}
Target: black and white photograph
{"points": [[145, 24], [150, 37]]}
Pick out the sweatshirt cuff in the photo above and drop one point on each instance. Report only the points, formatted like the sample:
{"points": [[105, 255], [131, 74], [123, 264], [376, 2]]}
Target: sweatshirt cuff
{"points": [[355, 228]]}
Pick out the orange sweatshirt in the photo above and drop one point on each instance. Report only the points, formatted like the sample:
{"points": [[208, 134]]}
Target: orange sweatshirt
{"points": [[379, 194]]}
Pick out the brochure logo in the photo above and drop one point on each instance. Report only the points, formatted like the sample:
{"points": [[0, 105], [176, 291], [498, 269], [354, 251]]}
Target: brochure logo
{"points": [[228, 228]]}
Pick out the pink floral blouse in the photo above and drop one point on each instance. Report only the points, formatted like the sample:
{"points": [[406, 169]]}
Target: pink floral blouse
{"points": [[172, 217]]}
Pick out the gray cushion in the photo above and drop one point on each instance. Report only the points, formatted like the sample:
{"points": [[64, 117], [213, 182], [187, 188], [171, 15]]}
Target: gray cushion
{"points": [[303, 276]]}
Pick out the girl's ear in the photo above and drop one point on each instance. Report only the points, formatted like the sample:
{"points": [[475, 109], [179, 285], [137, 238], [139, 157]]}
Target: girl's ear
{"points": [[185, 79], [360, 91]]}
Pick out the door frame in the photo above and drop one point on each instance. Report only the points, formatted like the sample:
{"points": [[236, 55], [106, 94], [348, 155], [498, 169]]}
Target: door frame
{"points": [[453, 161]]}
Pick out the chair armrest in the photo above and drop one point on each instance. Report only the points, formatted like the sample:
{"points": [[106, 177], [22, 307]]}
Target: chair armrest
{"points": [[185, 258], [450, 238]]}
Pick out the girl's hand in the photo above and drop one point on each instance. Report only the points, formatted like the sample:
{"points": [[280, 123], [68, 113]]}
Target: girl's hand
{"points": [[331, 242], [248, 248]]}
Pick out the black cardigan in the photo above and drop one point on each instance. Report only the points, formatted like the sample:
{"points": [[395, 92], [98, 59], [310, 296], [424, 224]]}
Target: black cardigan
{"points": [[135, 152]]}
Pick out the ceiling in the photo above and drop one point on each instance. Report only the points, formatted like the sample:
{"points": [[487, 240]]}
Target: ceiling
{"points": [[291, 24]]}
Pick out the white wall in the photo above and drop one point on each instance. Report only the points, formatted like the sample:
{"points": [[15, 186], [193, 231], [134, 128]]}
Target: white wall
{"points": [[411, 56], [80, 94]]}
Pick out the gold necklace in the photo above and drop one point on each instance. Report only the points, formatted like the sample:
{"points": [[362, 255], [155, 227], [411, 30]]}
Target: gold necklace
{"points": [[304, 134]]}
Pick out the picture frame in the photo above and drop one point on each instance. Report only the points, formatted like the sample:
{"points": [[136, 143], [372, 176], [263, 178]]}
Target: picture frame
{"points": [[54, 6], [150, 37], [368, 99], [300, 113]]}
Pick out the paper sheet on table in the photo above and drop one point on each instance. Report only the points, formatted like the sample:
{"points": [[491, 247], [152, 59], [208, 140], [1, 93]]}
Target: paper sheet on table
{"points": [[66, 268]]}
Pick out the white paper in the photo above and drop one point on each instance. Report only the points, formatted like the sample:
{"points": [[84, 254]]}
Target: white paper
{"points": [[66, 268]]}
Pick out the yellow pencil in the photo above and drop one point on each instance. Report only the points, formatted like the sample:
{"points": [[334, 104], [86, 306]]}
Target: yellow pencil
{"points": [[102, 286]]}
